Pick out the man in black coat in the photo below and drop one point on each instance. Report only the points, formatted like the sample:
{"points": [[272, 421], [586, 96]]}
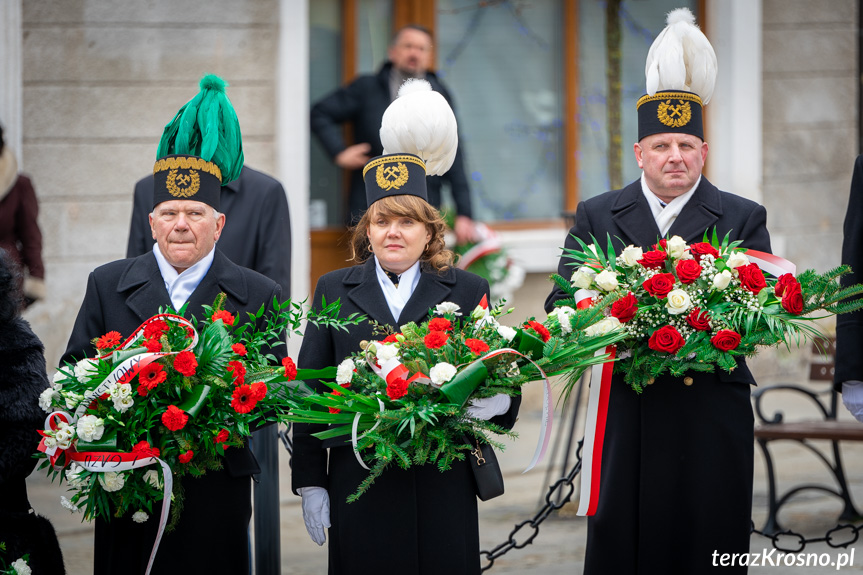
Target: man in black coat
{"points": [[677, 461], [362, 103], [184, 267]]}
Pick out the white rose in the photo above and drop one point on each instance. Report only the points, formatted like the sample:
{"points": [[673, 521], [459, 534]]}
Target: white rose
{"points": [[506, 332], [112, 481], [139, 517], [447, 307], [675, 247], [441, 373], [603, 326], [152, 477], [386, 352], [721, 280], [68, 504], [91, 428], [631, 255], [75, 476], [64, 435], [564, 315], [20, 567], [607, 280], [84, 369], [583, 277], [677, 302], [46, 398], [345, 371], [736, 260], [123, 403]]}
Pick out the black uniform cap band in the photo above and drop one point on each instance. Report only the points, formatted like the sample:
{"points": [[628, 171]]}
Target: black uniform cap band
{"points": [[394, 175], [181, 177], [670, 112]]}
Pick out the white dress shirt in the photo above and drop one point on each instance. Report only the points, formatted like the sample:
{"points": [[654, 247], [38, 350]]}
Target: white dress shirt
{"points": [[663, 213], [181, 285], [397, 297]]}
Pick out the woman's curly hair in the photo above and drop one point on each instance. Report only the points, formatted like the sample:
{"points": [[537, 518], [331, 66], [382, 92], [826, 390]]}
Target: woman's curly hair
{"points": [[435, 254], [10, 288]]}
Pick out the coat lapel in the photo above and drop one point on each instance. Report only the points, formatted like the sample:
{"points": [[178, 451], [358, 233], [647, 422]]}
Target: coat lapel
{"points": [[143, 276], [431, 288], [631, 213], [699, 214], [365, 292], [223, 276]]}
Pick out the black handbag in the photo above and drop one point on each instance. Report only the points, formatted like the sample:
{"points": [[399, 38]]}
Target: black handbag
{"points": [[486, 472]]}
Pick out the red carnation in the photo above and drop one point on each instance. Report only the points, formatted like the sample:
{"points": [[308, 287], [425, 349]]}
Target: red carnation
{"points": [[223, 315], [290, 368], [435, 339], [477, 346], [186, 363], [110, 339], [702, 249], [155, 329], [391, 338], [153, 345], [751, 278], [698, 319], [186, 457], [238, 371], [792, 299], [239, 349], [666, 339], [190, 333], [659, 285], [335, 409], [688, 271], [152, 375], [222, 436], [259, 390], [725, 340], [440, 324], [783, 282], [653, 260], [540, 330], [243, 399], [143, 449], [625, 308], [174, 418], [397, 388]]}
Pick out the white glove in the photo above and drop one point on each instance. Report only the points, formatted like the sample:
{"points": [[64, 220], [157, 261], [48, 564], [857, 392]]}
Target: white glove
{"points": [[316, 512], [852, 397], [488, 407]]}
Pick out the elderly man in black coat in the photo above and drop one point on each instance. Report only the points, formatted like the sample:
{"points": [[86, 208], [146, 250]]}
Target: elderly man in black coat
{"points": [[362, 103]]}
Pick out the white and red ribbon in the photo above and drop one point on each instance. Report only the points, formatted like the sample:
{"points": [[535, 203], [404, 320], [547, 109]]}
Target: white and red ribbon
{"points": [[488, 244], [772, 264], [594, 432]]}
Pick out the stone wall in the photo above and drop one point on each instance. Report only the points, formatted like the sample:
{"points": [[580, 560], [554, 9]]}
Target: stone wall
{"points": [[100, 80]]}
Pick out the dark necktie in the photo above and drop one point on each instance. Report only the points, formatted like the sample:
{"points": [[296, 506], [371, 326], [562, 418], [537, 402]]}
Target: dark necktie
{"points": [[393, 277]]}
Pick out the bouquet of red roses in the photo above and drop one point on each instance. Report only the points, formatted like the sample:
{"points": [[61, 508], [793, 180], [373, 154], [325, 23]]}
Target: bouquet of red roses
{"points": [[404, 399], [700, 306], [165, 402]]}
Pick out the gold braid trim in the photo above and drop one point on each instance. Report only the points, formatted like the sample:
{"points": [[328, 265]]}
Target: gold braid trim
{"points": [[187, 163], [669, 96], [393, 158]]}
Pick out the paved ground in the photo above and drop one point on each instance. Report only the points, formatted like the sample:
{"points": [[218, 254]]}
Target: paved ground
{"points": [[559, 546]]}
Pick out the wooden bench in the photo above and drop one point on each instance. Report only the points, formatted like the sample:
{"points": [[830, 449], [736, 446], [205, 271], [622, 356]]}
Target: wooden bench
{"points": [[804, 432]]}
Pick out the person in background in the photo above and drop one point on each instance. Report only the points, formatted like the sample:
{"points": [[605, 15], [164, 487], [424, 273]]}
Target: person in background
{"points": [[22, 381], [361, 104], [19, 227]]}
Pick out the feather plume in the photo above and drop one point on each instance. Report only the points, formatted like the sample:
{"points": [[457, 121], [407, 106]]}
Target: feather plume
{"points": [[421, 122], [681, 58]]}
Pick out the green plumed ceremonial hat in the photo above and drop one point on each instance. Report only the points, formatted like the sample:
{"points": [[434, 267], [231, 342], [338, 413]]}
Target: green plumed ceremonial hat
{"points": [[207, 127]]}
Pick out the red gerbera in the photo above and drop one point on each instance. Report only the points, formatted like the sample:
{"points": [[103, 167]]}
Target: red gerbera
{"points": [[186, 363], [110, 339], [239, 349], [222, 436], [143, 449], [440, 324], [174, 418], [477, 346], [397, 388], [238, 371], [435, 339], [259, 390], [186, 457], [155, 329], [243, 399], [290, 368], [540, 329], [225, 316], [152, 375], [153, 345]]}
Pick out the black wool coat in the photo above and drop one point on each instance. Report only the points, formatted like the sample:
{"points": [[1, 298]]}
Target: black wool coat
{"points": [[849, 326], [120, 296], [22, 379], [257, 232], [411, 522], [362, 104], [677, 460]]}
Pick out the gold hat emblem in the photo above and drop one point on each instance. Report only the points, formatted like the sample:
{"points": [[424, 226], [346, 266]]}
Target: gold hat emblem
{"points": [[390, 177], [183, 185], [674, 116]]}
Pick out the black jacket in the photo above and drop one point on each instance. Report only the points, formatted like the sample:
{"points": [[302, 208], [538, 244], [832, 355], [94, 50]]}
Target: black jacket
{"points": [[257, 232], [677, 460], [429, 517], [120, 296], [362, 104], [849, 326]]}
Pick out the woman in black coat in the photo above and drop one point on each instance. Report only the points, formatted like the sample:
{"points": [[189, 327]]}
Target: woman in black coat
{"points": [[22, 380]]}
